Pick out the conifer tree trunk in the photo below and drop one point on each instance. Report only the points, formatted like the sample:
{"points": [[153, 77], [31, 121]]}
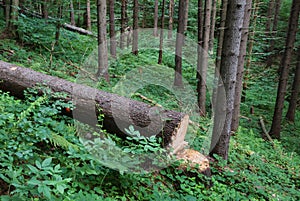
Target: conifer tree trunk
{"points": [[155, 18], [284, 66], [113, 42], [7, 13], [179, 43], [229, 62], [201, 89], [161, 37], [88, 16], [45, 9], [123, 23], [135, 50], [290, 115], [270, 14], [102, 43], [186, 16], [212, 26], [274, 33], [171, 13], [58, 23], [240, 68], [72, 15]]}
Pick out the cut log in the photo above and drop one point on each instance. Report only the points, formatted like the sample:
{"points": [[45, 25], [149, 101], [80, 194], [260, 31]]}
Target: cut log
{"points": [[119, 112]]}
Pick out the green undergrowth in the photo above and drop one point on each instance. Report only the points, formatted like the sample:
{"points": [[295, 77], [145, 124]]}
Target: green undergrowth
{"points": [[43, 158]]}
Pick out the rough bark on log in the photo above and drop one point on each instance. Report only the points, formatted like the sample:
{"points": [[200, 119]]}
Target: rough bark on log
{"points": [[119, 112]]}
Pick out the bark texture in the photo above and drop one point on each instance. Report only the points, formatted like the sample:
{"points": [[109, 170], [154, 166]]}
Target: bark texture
{"points": [[171, 13], [155, 18], [119, 112], [135, 49], [229, 63], [161, 37], [290, 115], [284, 66], [112, 39], [240, 68]]}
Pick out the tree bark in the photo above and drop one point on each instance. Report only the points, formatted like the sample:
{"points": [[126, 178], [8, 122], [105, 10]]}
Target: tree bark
{"points": [[179, 43], [161, 37], [112, 34], [240, 68], [45, 9], [186, 16], [123, 23], [274, 33], [119, 112], [72, 15], [212, 26], [290, 115], [171, 13], [102, 43], [201, 87], [58, 23], [135, 49], [7, 13], [88, 15], [270, 14], [155, 18], [229, 62], [284, 66]]}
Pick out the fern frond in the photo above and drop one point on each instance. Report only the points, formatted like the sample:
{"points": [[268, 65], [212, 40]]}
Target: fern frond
{"points": [[60, 141]]}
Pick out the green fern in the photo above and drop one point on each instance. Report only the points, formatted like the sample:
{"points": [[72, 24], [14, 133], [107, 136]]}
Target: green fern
{"points": [[60, 141]]}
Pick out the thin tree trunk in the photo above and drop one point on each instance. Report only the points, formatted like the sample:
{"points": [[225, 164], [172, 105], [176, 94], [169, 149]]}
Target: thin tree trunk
{"points": [[212, 27], [155, 18], [123, 23], [171, 13], [186, 16], [229, 62], [102, 43], [250, 49], [88, 16], [270, 14], [72, 15], [135, 50], [79, 14], [290, 115], [161, 39], [7, 13], [240, 68], [179, 43], [204, 60], [58, 23], [284, 66], [112, 34], [200, 40], [274, 33], [14, 13], [45, 9]]}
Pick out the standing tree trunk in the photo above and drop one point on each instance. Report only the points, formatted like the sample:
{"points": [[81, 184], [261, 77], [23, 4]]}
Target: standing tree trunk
{"points": [[270, 13], [123, 23], [290, 115], [88, 15], [155, 18], [274, 33], [112, 34], [102, 43], [7, 13], [135, 49], [161, 39], [200, 40], [212, 27], [58, 23], [240, 68], [72, 15], [284, 66], [229, 63], [13, 18], [179, 43], [201, 87], [186, 15], [171, 13], [45, 9], [250, 49]]}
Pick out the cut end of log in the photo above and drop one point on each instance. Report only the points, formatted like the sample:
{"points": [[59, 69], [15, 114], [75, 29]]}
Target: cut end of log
{"points": [[193, 159], [177, 141]]}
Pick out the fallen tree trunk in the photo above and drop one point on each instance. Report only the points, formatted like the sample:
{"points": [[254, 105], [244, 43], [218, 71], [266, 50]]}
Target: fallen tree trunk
{"points": [[119, 112]]}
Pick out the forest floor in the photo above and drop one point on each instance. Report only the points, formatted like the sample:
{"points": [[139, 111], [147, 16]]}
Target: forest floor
{"points": [[41, 158]]}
